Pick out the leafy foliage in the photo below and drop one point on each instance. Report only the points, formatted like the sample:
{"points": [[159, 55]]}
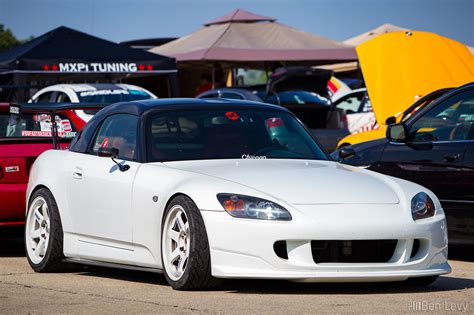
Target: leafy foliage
{"points": [[8, 40]]}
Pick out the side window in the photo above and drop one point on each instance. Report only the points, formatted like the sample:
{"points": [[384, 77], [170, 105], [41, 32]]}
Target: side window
{"points": [[62, 98], [120, 132], [451, 120], [233, 96], [210, 95], [44, 98], [352, 103]]}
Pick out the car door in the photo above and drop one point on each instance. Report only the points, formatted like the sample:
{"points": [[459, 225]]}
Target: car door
{"points": [[461, 214], [99, 194], [434, 153]]}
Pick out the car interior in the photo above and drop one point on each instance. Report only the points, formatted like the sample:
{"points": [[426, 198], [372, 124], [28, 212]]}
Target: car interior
{"points": [[215, 136], [452, 123]]}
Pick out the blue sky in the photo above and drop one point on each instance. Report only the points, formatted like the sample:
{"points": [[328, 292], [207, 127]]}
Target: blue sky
{"points": [[119, 20]]}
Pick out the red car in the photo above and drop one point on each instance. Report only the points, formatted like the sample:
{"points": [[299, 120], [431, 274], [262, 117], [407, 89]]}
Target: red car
{"points": [[22, 140]]}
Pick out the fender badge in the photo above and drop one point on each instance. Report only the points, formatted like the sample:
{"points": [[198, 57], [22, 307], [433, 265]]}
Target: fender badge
{"points": [[155, 198], [12, 169]]}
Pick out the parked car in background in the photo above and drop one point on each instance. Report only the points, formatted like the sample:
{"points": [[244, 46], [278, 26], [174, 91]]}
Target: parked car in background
{"points": [[337, 88], [106, 93], [232, 94], [381, 130], [400, 68], [304, 92], [203, 190], [21, 142], [433, 145], [360, 115]]}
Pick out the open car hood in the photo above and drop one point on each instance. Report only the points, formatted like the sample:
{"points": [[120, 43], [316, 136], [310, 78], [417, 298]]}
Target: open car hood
{"points": [[299, 79], [400, 67]]}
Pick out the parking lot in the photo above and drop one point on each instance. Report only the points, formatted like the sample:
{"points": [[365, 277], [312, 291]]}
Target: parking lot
{"points": [[93, 290]]}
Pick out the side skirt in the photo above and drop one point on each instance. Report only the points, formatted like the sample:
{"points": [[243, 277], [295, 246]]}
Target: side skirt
{"points": [[111, 265]]}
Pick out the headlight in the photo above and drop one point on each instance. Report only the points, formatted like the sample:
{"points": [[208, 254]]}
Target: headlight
{"points": [[241, 206], [422, 206]]}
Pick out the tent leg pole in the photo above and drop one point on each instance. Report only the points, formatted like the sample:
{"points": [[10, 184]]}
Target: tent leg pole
{"points": [[213, 77], [174, 85]]}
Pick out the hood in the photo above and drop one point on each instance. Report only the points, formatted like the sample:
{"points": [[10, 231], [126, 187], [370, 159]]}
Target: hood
{"points": [[299, 79], [400, 67], [298, 181], [359, 137]]}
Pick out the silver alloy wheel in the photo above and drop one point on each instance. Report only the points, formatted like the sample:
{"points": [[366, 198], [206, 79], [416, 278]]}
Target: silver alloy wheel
{"points": [[175, 242], [37, 230]]}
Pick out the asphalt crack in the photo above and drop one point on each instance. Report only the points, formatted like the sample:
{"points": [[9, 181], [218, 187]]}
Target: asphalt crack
{"points": [[16, 274], [184, 308]]}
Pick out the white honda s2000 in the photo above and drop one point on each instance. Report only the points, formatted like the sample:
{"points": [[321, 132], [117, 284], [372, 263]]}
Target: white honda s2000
{"points": [[204, 190]]}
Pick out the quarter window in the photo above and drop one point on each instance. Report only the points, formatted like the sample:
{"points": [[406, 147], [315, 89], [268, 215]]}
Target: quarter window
{"points": [[120, 132], [451, 120], [62, 98], [44, 98]]}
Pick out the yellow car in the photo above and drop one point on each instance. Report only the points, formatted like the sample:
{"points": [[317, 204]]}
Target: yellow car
{"points": [[401, 67]]}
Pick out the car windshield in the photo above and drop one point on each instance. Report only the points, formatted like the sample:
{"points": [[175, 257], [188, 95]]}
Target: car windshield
{"points": [[112, 96], [229, 134], [34, 125]]}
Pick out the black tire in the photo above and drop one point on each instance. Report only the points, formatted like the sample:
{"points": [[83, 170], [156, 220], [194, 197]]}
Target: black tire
{"points": [[421, 281], [197, 275], [54, 255]]}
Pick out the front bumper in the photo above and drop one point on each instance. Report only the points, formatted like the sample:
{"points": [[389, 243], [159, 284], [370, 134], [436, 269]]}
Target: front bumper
{"points": [[244, 248]]}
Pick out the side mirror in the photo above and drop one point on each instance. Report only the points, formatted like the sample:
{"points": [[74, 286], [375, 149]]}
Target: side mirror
{"points": [[113, 154], [346, 152], [391, 120], [397, 133], [108, 152]]}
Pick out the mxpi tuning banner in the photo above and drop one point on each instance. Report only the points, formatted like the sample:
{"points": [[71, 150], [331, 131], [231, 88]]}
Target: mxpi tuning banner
{"points": [[97, 67]]}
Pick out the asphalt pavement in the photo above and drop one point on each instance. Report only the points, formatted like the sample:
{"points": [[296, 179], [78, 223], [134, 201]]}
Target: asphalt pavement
{"points": [[88, 290]]}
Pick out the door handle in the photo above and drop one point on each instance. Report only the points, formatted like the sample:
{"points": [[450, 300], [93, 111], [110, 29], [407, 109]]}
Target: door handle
{"points": [[451, 157], [77, 174]]}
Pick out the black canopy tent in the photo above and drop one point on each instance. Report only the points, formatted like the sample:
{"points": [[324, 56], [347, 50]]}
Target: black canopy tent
{"points": [[64, 55]]}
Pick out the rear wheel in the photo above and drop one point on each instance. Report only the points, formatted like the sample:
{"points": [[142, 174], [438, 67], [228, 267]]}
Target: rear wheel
{"points": [[44, 233], [185, 248]]}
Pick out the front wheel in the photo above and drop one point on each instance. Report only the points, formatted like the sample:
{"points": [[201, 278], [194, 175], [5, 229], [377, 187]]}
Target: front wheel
{"points": [[44, 233], [185, 248]]}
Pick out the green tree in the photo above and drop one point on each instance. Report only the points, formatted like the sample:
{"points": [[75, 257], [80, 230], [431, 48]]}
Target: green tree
{"points": [[7, 39]]}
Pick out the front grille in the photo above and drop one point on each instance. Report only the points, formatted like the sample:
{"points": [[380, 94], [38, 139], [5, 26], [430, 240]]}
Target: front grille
{"points": [[353, 251]]}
